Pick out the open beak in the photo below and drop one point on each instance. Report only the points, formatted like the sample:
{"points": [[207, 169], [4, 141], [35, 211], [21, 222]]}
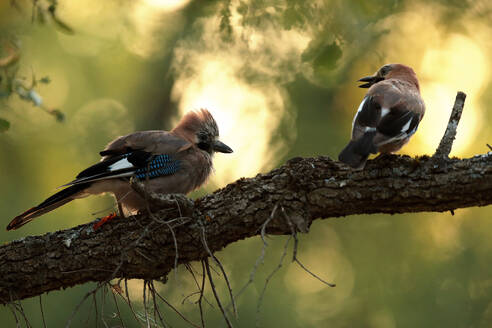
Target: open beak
{"points": [[370, 81], [221, 147]]}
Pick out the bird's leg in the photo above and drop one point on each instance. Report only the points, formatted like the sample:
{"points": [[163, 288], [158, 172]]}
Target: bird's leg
{"points": [[120, 211], [103, 220], [109, 217]]}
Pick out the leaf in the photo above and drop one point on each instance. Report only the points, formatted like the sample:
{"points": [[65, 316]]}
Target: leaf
{"points": [[40, 16], [4, 125], [116, 288], [328, 57], [45, 80], [225, 27], [60, 117], [323, 57], [58, 22], [63, 26]]}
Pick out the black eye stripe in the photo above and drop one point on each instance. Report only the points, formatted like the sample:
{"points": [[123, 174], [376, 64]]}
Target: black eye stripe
{"points": [[204, 146]]}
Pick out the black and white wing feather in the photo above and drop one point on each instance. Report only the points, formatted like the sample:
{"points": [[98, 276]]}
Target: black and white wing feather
{"points": [[138, 163]]}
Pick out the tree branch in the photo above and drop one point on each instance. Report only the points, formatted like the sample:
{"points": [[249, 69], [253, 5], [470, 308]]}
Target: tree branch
{"points": [[305, 188]]}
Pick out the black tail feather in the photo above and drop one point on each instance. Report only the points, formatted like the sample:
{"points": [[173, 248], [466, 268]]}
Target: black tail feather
{"points": [[355, 154], [60, 198]]}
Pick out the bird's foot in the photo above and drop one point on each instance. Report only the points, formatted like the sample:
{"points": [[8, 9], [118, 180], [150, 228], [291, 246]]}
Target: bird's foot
{"points": [[103, 220]]}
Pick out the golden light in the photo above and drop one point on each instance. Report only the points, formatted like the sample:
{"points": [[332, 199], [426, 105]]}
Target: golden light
{"points": [[246, 116], [210, 74], [91, 35], [154, 22], [166, 5], [143, 26], [445, 72], [135, 288]]}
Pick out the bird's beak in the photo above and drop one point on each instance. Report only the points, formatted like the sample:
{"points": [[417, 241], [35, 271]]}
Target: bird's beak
{"points": [[370, 81], [221, 147]]}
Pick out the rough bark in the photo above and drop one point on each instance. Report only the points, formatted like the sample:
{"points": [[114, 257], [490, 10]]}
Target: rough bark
{"points": [[305, 189], [302, 190]]}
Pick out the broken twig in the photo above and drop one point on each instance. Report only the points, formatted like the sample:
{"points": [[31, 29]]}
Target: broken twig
{"points": [[446, 143]]}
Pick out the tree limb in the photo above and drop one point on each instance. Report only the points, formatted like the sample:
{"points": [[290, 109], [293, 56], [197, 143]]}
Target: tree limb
{"points": [[305, 188]]}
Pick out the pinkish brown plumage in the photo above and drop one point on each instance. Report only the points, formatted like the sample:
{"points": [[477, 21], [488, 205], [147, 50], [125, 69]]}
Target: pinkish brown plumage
{"points": [[388, 115], [174, 162]]}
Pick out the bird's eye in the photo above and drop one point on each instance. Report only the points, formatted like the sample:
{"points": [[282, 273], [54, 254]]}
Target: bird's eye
{"points": [[204, 146]]}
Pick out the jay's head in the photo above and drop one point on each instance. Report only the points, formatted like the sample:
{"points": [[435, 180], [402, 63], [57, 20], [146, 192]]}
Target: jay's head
{"points": [[390, 71], [199, 127]]}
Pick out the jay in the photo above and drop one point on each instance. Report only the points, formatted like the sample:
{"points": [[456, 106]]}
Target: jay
{"points": [[172, 162], [388, 115]]}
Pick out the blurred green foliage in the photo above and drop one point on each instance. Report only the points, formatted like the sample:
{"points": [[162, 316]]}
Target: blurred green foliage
{"points": [[128, 67], [10, 81]]}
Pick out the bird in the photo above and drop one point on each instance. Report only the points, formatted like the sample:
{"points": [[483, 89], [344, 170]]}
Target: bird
{"points": [[388, 115], [174, 162]]}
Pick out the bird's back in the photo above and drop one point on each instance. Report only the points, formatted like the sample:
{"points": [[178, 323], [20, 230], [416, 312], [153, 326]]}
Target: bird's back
{"points": [[395, 93], [153, 141]]}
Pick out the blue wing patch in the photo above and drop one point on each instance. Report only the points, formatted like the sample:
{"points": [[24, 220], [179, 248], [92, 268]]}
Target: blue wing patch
{"points": [[160, 165]]}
